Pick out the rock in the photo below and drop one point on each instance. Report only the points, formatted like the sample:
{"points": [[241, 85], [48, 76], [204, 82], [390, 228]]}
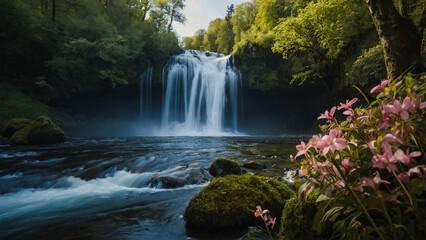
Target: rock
{"points": [[254, 165], [168, 182], [222, 167], [184, 175], [297, 219], [40, 131], [229, 202], [14, 125]]}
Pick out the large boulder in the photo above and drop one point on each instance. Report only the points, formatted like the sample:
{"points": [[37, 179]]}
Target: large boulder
{"points": [[14, 125], [40, 131], [254, 165], [230, 202], [222, 167], [297, 220]]}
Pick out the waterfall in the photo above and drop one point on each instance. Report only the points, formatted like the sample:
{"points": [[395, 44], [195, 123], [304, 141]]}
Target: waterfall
{"points": [[145, 95], [200, 95]]}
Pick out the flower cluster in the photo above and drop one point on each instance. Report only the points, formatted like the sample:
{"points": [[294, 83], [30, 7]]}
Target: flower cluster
{"points": [[374, 150], [264, 215]]}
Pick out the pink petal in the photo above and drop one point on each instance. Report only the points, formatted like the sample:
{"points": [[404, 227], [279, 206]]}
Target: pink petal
{"points": [[404, 115], [390, 108]]}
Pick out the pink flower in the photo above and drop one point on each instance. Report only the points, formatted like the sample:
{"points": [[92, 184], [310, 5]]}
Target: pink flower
{"points": [[302, 148], [406, 159], [332, 142], [385, 119], [419, 170], [417, 104], [271, 221], [404, 177], [303, 171], [373, 183], [398, 109], [314, 140], [386, 160], [260, 213], [380, 87], [328, 115], [348, 104], [390, 138], [347, 164]]}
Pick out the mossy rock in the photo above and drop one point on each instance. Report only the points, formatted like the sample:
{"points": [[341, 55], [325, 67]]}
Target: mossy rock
{"points": [[254, 165], [297, 219], [14, 125], [40, 131], [230, 202], [222, 167]]}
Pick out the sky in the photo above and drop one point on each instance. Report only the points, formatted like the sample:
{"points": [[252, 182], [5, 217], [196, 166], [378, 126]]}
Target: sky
{"points": [[199, 13]]}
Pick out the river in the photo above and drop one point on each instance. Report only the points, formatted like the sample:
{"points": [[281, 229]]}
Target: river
{"points": [[109, 188]]}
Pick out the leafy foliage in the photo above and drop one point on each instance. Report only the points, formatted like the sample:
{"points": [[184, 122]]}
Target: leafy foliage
{"points": [[89, 46], [369, 170]]}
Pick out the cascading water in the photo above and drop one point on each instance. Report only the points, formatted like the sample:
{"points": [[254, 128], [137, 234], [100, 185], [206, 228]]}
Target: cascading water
{"points": [[145, 95], [201, 95]]}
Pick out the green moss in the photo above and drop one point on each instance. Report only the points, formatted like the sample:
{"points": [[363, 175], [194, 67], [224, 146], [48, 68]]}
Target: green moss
{"points": [[297, 219], [230, 201], [221, 167], [40, 131], [14, 125]]}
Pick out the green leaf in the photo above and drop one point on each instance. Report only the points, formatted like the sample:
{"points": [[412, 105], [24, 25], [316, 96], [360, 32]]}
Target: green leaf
{"points": [[321, 198]]}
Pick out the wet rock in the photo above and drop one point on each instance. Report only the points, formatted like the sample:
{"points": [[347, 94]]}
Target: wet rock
{"points": [[40, 131], [184, 175], [229, 202], [168, 182], [254, 165], [222, 167], [14, 125]]}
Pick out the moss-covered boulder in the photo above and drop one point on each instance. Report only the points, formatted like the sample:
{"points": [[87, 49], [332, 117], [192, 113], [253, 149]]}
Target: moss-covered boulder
{"points": [[40, 131], [14, 125], [222, 167], [297, 219], [254, 165], [230, 202]]}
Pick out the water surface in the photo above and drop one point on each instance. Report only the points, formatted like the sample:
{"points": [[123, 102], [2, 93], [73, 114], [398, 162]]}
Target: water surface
{"points": [[104, 188]]}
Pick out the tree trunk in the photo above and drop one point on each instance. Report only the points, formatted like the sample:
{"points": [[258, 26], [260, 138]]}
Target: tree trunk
{"points": [[53, 10], [399, 38]]}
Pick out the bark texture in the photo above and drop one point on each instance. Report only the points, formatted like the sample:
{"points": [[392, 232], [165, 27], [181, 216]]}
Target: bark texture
{"points": [[399, 37]]}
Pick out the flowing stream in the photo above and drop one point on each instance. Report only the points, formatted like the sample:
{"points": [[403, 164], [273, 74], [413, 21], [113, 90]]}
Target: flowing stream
{"points": [[109, 188]]}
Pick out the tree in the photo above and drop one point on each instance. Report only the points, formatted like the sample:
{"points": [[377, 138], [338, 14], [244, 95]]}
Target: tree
{"points": [[398, 34], [168, 11], [145, 6], [229, 12], [209, 41], [243, 19], [320, 32], [225, 35]]}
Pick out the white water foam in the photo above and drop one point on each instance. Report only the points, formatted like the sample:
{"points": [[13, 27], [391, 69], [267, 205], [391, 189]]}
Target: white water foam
{"points": [[71, 192]]}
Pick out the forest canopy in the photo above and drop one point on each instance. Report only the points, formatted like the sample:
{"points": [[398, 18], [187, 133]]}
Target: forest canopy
{"points": [[64, 47], [327, 42]]}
